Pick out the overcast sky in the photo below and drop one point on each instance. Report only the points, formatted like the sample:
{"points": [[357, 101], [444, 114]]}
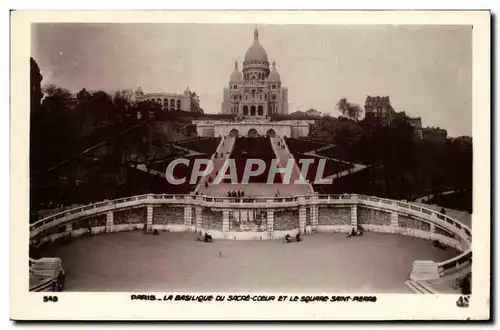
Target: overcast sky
{"points": [[426, 70]]}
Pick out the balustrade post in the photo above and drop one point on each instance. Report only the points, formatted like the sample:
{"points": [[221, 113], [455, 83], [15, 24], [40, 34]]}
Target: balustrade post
{"points": [[69, 227], [270, 221], [149, 218], [109, 221]]}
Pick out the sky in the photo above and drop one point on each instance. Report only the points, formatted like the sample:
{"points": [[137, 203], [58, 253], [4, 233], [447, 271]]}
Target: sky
{"points": [[425, 70]]}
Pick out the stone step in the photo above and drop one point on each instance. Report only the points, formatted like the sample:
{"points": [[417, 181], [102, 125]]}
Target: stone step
{"points": [[419, 287]]}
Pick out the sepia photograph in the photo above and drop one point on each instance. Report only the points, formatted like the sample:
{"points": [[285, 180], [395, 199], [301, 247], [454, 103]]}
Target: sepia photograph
{"points": [[330, 162]]}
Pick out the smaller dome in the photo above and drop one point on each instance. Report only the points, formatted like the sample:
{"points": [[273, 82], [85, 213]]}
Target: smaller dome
{"points": [[274, 76], [236, 75], [187, 90]]}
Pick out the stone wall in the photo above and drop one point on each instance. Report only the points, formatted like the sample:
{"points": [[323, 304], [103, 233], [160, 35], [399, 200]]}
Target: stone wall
{"points": [[440, 231], [130, 216], [95, 221], [407, 222], [211, 219], [331, 215], [168, 215], [373, 217], [286, 219]]}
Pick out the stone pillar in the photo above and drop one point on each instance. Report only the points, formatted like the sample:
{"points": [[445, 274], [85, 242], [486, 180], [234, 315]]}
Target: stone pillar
{"points": [[394, 220], [302, 215], [225, 218], [188, 215], [314, 213], [302, 219], [188, 212], [198, 218], [149, 218], [433, 226], [270, 222], [109, 221], [354, 215]]}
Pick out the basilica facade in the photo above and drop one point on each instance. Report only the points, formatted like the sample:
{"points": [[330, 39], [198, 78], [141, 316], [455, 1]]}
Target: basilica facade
{"points": [[254, 94], [256, 91]]}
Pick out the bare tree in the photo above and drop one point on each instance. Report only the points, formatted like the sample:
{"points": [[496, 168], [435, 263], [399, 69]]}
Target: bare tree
{"points": [[343, 106]]}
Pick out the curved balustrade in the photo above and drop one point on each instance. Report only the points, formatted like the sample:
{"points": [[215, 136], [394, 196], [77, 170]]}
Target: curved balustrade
{"points": [[458, 235]]}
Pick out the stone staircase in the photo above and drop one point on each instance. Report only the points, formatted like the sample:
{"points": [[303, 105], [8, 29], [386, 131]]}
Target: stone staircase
{"points": [[419, 287], [225, 147], [283, 154]]}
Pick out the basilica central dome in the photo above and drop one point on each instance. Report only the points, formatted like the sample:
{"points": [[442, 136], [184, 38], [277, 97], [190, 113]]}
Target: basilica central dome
{"points": [[256, 52]]}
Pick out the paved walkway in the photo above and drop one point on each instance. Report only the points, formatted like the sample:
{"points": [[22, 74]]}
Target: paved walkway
{"points": [[174, 262]]}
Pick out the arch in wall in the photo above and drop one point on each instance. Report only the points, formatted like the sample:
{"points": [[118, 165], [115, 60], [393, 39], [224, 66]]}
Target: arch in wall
{"points": [[252, 132], [245, 110], [271, 133], [260, 110], [178, 104], [252, 110], [234, 133], [172, 104]]}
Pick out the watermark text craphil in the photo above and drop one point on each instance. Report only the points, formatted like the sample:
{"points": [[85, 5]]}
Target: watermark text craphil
{"points": [[238, 172]]}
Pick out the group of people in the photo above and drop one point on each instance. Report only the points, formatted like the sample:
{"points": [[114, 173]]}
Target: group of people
{"points": [[204, 237], [358, 231], [238, 193], [289, 239]]}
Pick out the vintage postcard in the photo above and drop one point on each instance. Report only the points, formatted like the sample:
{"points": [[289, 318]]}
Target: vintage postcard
{"points": [[250, 165]]}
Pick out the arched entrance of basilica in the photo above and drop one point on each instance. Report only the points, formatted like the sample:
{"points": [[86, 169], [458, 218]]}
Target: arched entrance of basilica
{"points": [[234, 133], [271, 133], [252, 132]]}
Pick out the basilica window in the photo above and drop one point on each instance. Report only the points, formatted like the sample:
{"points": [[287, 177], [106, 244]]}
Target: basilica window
{"points": [[178, 104], [274, 97], [253, 93]]}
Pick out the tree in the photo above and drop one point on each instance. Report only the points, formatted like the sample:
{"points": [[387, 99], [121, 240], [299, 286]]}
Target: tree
{"points": [[35, 86], [343, 106], [353, 111]]}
